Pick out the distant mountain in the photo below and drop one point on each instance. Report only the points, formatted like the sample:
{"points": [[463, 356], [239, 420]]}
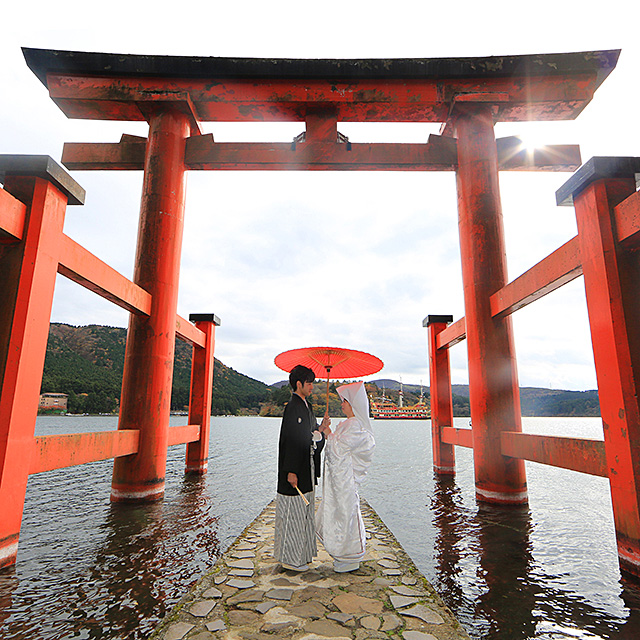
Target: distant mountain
{"points": [[87, 363], [534, 401], [541, 402]]}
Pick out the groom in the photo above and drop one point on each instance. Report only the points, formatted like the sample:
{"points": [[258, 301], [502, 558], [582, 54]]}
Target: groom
{"points": [[300, 445]]}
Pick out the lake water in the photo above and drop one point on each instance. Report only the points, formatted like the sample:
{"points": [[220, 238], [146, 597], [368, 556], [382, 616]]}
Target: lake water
{"points": [[90, 569]]}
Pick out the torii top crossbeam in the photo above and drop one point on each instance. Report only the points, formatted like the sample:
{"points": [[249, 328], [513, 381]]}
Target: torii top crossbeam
{"points": [[320, 92], [528, 87]]}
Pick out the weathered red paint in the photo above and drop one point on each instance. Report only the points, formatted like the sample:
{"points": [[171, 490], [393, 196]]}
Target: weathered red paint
{"points": [[459, 437], [28, 273], [315, 154], [444, 460], [611, 277], [66, 450], [493, 381], [627, 221], [148, 367], [390, 100], [200, 398], [577, 454]]}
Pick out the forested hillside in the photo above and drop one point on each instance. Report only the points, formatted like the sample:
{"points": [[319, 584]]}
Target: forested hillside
{"points": [[87, 362], [540, 402]]}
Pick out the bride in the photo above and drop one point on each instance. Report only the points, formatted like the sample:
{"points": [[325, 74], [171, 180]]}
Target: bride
{"points": [[348, 454]]}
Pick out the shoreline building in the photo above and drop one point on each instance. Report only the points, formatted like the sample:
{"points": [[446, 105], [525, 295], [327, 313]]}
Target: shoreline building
{"points": [[53, 401]]}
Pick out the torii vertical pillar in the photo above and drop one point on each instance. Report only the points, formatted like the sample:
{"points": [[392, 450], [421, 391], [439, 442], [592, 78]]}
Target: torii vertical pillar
{"points": [[444, 458], [149, 354], [28, 268], [611, 275], [200, 396], [493, 381]]}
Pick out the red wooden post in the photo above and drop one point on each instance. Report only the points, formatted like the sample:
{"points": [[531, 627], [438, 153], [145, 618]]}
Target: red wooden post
{"points": [[444, 457], [27, 272], [493, 379], [200, 396], [611, 276], [148, 366]]}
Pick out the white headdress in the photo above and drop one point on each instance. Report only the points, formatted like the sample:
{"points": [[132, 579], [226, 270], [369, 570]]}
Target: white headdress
{"points": [[356, 395]]}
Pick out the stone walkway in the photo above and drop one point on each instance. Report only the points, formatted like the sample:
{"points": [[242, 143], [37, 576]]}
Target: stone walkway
{"points": [[249, 596]]}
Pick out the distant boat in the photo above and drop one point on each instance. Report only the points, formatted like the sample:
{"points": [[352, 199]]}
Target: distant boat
{"points": [[383, 408]]}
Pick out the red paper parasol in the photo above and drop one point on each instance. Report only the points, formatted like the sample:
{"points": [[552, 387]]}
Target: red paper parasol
{"points": [[330, 362]]}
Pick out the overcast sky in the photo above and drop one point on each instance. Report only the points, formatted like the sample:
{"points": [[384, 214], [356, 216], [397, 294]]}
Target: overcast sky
{"points": [[348, 259]]}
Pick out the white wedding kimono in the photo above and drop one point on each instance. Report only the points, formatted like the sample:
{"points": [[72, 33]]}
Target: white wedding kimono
{"points": [[348, 454]]}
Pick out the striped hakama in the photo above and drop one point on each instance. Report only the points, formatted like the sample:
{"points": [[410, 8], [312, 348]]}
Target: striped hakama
{"points": [[295, 530], [295, 527]]}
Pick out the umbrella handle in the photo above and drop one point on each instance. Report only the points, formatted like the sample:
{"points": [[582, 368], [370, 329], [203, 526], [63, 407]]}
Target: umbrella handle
{"points": [[328, 371]]}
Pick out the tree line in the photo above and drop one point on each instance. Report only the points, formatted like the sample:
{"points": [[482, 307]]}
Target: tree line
{"points": [[86, 363]]}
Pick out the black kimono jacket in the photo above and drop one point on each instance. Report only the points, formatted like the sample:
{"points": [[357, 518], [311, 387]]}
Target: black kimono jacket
{"points": [[296, 442]]}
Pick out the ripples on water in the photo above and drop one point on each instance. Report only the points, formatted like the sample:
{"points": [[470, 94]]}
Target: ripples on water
{"points": [[89, 569], [548, 570]]}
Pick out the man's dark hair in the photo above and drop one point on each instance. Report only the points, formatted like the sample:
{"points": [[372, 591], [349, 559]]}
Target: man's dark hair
{"points": [[301, 374]]}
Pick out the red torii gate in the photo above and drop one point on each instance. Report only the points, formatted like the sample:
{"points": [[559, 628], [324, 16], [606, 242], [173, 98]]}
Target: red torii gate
{"points": [[467, 95]]}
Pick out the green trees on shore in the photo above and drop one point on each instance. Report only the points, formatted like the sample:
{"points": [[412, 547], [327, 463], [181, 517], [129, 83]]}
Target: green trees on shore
{"points": [[87, 362]]}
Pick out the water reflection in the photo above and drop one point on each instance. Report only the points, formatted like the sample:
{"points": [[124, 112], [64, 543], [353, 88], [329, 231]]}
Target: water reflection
{"points": [[506, 563], [630, 594], [450, 543], [96, 569], [487, 573], [147, 550], [8, 584]]}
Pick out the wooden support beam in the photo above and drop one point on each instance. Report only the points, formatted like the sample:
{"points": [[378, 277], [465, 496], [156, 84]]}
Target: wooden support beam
{"points": [[183, 434], [459, 437], [28, 274], [126, 155], [56, 452], [202, 153], [554, 271], [493, 379], [146, 380], [189, 332], [453, 334], [627, 221], [67, 450], [12, 217], [202, 362], [577, 454], [81, 266]]}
